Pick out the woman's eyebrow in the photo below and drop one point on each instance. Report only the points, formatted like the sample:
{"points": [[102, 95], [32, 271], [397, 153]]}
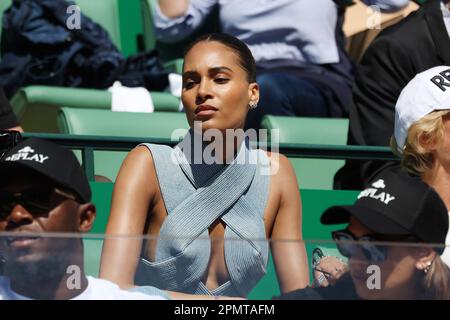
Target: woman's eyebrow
{"points": [[190, 74], [219, 69]]}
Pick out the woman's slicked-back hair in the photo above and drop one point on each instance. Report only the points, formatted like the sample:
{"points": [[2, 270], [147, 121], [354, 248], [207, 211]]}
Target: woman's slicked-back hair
{"points": [[246, 59]]}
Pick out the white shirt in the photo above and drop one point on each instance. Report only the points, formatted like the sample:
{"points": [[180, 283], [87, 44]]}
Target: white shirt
{"points": [[97, 289]]}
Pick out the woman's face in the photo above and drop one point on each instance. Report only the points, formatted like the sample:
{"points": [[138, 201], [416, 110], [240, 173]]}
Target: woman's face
{"points": [[215, 87], [397, 276]]}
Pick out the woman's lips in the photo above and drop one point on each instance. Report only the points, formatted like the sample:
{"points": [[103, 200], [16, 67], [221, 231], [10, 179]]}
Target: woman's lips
{"points": [[205, 110]]}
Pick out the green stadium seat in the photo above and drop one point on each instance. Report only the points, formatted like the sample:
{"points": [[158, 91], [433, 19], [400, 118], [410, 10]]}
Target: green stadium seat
{"points": [[311, 173], [158, 125], [37, 106]]}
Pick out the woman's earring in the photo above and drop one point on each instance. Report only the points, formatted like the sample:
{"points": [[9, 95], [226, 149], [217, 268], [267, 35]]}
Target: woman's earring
{"points": [[253, 105], [427, 267]]}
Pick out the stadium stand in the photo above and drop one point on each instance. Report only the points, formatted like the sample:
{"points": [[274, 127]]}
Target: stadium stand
{"points": [[37, 106], [86, 112], [311, 173]]}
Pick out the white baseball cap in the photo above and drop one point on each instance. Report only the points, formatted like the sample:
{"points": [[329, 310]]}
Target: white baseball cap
{"points": [[426, 92]]}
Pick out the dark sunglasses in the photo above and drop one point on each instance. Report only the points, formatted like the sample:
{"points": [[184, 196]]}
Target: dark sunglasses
{"points": [[349, 245], [40, 200]]}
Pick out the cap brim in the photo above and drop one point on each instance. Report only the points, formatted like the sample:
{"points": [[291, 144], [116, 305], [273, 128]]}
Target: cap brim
{"points": [[372, 219]]}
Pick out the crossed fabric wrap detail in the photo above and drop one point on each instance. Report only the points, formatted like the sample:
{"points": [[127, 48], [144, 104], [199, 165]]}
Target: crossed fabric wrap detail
{"points": [[197, 195]]}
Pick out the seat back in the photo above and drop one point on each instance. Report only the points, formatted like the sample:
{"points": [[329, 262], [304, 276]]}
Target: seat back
{"points": [[311, 173], [158, 125], [37, 106]]}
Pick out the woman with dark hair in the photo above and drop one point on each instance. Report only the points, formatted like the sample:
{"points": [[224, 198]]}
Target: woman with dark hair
{"points": [[207, 214]]}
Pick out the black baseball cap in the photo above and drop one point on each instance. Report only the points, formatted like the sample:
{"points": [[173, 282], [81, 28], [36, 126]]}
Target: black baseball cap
{"points": [[51, 161], [396, 203]]}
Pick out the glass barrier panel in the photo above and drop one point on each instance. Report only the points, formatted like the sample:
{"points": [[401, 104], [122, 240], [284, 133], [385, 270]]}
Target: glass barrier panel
{"points": [[66, 266]]}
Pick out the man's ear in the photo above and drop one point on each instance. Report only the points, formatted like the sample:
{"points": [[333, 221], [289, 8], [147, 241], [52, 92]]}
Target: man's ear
{"points": [[87, 214]]}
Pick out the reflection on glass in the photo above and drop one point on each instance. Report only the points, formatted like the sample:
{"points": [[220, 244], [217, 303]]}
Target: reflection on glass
{"points": [[368, 267], [52, 266], [59, 266]]}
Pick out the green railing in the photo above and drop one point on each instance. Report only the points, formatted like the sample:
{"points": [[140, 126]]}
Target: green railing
{"points": [[87, 145]]}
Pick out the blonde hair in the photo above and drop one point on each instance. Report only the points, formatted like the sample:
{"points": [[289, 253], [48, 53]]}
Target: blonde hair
{"points": [[416, 158]]}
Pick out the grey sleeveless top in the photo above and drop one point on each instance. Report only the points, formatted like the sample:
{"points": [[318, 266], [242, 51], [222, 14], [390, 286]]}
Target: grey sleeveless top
{"points": [[195, 196]]}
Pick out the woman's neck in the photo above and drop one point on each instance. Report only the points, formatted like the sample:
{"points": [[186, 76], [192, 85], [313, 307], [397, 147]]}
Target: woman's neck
{"points": [[231, 149], [222, 147]]}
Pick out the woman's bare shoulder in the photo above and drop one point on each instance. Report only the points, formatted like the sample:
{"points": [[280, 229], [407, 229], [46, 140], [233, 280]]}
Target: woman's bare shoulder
{"points": [[280, 166], [137, 170]]}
